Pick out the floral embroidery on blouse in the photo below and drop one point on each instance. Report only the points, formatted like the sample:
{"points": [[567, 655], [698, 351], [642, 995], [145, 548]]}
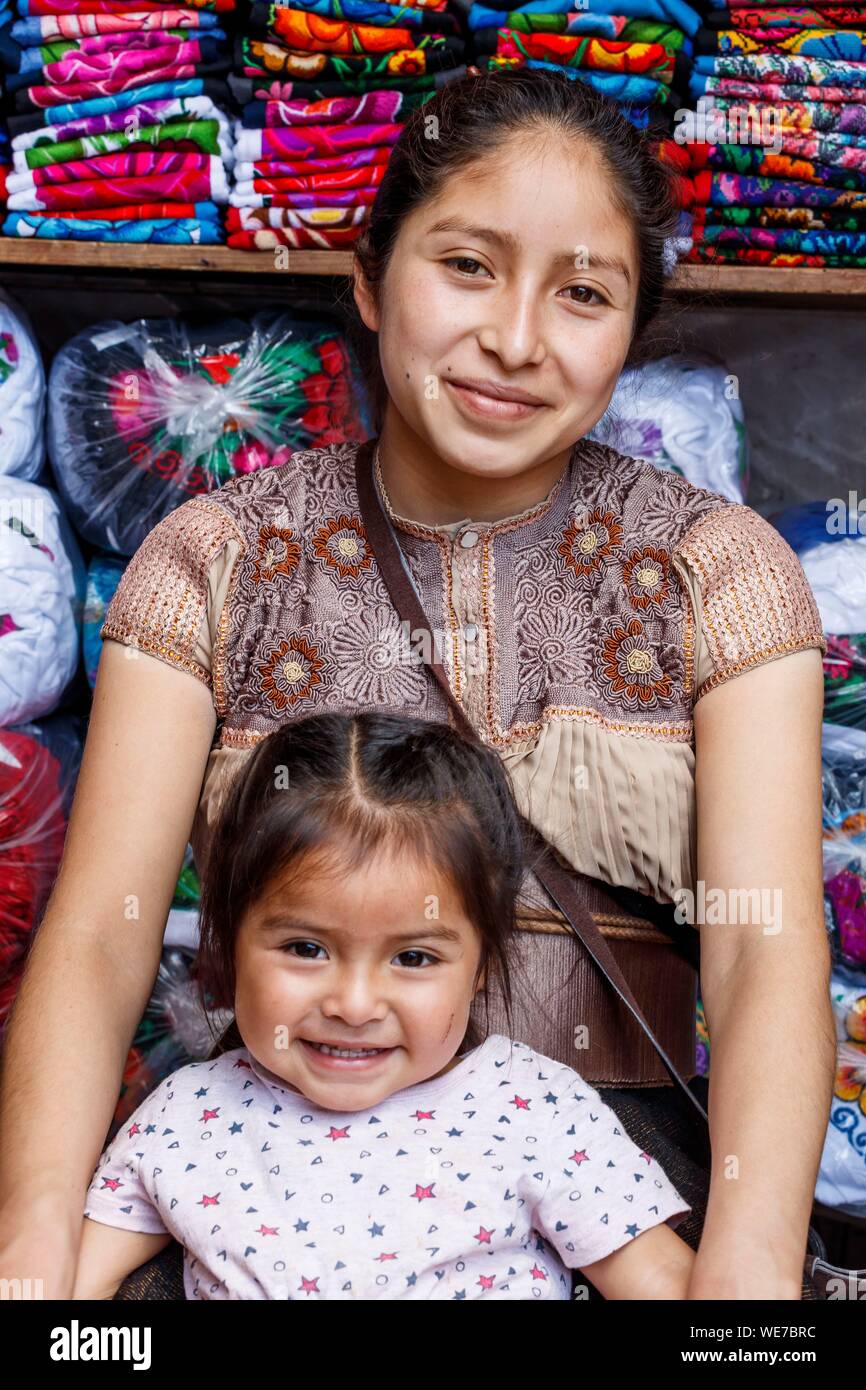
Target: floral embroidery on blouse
{"points": [[289, 672], [342, 543], [278, 553], [630, 669], [589, 542], [647, 579]]}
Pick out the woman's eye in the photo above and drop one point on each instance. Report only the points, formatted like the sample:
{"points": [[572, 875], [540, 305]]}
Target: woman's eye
{"points": [[465, 260], [298, 948], [587, 290], [413, 964]]}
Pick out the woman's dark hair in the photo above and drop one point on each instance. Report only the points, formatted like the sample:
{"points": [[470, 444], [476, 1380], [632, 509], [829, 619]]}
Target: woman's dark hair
{"points": [[470, 119], [329, 791]]}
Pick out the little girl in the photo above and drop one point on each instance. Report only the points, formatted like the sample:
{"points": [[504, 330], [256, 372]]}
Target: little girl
{"points": [[360, 1141]]}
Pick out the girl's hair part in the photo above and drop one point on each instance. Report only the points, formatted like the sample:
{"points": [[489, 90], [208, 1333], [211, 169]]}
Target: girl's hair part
{"points": [[469, 120], [325, 794]]}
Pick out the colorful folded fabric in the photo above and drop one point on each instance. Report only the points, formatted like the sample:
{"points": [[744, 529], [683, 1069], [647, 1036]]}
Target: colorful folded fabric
{"points": [[204, 184], [323, 229], [147, 114], [42, 28], [203, 136], [845, 119], [173, 232], [305, 141]]}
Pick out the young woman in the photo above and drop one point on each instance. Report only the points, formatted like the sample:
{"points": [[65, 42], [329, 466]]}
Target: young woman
{"points": [[645, 656]]}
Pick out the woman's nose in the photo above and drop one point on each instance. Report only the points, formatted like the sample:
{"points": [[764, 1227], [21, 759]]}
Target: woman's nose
{"points": [[514, 327]]}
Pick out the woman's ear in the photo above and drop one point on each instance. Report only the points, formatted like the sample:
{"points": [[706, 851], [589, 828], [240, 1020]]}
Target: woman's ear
{"points": [[364, 298]]}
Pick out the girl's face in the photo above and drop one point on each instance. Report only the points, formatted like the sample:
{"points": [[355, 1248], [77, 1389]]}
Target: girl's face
{"points": [[382, 958], [523, 273]]}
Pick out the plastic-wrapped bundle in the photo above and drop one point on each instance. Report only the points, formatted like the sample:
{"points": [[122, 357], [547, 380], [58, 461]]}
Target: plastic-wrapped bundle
{"points": [[681, 413], [842, 1175], [103, 577], [843, 755], [845, 679], [832, 551], [22, 396], [174, 1031], [144, 415], [42, 581], [38, 769]]}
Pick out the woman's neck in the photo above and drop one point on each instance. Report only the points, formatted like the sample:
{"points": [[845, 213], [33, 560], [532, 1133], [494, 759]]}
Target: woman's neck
{"points": [[424, 488]]}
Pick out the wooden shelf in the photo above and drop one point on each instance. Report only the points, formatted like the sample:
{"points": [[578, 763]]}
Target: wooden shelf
{"points": [[96, 257]]}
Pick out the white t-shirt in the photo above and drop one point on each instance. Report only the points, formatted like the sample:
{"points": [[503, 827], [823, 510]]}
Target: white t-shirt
{"points": [[493, 1180]]}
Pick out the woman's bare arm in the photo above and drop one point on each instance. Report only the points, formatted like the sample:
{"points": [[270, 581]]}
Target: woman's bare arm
{"points": [[96, 953], [764, 975]]}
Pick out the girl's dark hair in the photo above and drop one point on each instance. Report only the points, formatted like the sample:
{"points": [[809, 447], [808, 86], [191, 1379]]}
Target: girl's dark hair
{"points": [[326, 792], [474, 117]]}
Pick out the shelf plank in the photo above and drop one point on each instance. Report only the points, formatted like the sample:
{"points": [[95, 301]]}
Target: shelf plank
{"points": [[62, 256]]}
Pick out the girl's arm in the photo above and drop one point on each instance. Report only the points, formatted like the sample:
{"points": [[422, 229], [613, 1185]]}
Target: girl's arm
{"points": [[656, 1264], [765, 984], [107, 1254], [96, 953]]}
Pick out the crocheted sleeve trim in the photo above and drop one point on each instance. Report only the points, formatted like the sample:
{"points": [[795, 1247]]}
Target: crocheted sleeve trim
{"points": [[161, 602], [756, 603]]}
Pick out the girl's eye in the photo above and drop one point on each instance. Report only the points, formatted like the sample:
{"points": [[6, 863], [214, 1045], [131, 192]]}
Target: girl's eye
{"points": [[416, 953], [290, 946], [464, 260], [585, 289]]}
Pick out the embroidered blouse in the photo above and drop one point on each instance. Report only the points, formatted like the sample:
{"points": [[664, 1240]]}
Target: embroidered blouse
{"points": [[577, 634]]}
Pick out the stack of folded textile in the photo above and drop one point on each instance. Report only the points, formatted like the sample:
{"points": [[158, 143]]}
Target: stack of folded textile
{"points": [[324, 88], [777, 174], [117, 119], [636, 51]]}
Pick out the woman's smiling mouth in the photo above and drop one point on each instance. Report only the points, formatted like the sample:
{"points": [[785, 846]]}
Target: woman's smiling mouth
{"points": [[482, 399]]}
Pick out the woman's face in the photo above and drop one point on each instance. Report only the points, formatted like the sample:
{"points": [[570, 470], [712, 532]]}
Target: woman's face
{"points": [[522, 273], [384, 957]]}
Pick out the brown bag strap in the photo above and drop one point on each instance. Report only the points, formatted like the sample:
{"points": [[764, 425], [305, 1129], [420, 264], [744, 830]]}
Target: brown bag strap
{"points": [[558, 881]]}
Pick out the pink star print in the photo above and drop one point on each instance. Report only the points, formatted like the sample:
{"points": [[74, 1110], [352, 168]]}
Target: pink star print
{"points": [[648, 1157], [423, 1115], [385, 1256], [112, 1183], [134, 1129], [268, 1231], [537, 1273], [338, 1133], [422, 1192], [209, 1201], [209, 1115], [486, 1280], [483, 1236], [581, 1156], [241, 1063], [309, 1285], [520, 1103]]}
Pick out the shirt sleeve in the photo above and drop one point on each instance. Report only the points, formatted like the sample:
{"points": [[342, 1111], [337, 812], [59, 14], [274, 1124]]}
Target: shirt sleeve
{"points": [[602, 1189], [163, 603], [118, 1195], [750, 598]]}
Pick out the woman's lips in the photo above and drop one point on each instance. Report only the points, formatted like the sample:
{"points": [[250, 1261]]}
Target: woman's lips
{"points": [[489, 406], [331, 1063]]}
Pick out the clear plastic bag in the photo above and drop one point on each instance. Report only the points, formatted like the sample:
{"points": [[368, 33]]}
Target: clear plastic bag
{"points": [[142, 416], [842, 1175], [39, 765], [843, 759], [683, 413]]}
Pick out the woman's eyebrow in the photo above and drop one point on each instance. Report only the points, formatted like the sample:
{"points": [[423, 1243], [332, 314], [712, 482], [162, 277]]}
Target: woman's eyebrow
{"points": [[508, 242]]}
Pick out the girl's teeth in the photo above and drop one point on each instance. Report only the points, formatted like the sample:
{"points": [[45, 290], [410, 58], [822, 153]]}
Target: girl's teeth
{"points": [[347, 1052]]}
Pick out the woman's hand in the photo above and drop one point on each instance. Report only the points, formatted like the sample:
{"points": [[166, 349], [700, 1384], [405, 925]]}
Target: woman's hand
{"points": [[38, 1253]]}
